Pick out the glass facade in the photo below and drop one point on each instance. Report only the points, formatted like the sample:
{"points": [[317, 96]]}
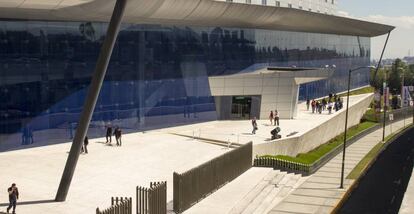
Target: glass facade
{"points": [[157, 76]]}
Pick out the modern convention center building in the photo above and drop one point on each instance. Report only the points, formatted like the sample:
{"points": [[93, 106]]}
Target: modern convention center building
{"points": [[174, 62]]}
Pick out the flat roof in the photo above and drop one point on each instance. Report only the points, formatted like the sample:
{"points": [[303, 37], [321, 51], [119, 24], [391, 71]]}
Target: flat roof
{"points": [[194, 13]]}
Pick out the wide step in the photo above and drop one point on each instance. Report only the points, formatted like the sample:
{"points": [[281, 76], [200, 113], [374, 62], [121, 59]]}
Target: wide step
{"points": [[274, 187]]}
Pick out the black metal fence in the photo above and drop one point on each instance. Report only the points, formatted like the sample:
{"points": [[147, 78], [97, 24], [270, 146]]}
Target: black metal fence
{"points": [[195, 184], [152, 200], [398, 114], [283, 165], [119, 205]]}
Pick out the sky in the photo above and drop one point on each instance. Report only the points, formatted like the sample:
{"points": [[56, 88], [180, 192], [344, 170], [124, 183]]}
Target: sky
{"points": [[398, 13]]}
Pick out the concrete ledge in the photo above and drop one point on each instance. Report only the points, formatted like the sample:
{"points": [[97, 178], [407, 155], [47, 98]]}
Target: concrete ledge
{"points": [[316, 136]]}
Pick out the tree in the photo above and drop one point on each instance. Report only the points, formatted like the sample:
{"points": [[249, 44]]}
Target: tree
{"points": [[394, 79], [376, 81]]}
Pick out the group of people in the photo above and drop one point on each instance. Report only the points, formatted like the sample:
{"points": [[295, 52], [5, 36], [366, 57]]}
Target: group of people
{"points": [[117, 133], [273, 117], [329, 104]]}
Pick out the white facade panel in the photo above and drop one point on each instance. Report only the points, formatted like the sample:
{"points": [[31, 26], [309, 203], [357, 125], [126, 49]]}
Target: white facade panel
{"points": [[252, 91], [234, 82], [253, 81], [231, 91], [218, 82], [318, 6]]}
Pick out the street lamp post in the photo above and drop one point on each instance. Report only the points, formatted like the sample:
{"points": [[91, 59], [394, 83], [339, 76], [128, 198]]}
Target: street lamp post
{"points": [[386, 99], [346, 122], [402, 87]]}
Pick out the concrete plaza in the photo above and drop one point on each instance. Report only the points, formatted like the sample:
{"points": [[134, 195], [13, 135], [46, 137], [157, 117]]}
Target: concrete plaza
{"points": [[144, 157], [106, 171]]}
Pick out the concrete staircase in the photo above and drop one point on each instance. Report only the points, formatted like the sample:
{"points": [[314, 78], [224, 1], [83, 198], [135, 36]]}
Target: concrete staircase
{"points": [[274, 187]]}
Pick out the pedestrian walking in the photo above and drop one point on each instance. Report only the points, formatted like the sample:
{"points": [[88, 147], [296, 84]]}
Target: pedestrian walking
{"points": [[307, 104], [313, 104], [13, 197], [254, 124], [30, 135], [276, 118], [271, 117], [24, 136], [317, 106], [118, 135], [85, 145], [329, 107], [109, 134], [324, 104], [336, 105], [320, 108]]}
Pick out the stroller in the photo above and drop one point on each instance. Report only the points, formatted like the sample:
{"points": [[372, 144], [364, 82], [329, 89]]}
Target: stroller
{"points": [[275, 133]]}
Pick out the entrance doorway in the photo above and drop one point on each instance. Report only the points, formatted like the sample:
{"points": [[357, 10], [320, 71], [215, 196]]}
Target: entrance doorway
{"points": [[241, 107], [237, 107]]}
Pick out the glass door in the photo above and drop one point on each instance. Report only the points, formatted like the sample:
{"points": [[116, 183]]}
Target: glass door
{"points": [[240, 107]]}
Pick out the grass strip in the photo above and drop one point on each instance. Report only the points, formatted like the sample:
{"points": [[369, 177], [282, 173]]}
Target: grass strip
{"points": [[365, 90], [314, 155]]}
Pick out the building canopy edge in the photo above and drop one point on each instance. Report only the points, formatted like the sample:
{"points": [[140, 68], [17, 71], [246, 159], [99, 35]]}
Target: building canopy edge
{"points": [[204, 13]]}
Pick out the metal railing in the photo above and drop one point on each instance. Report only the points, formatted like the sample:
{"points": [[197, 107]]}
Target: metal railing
{"points": [[195, 184], [119, 205], [152, 200], [283, 165], [398, 114]]}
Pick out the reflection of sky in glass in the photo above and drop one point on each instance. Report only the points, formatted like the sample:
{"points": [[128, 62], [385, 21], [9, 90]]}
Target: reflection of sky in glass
{"points": [[155, 71]]}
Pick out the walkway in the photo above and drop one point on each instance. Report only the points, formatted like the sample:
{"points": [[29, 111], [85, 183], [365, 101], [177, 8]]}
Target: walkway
{"points": [[320, 192]]}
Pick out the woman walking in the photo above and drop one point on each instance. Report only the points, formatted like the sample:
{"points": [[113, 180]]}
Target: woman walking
{"points": [[254, 124], [276, 118], [271, 117]]}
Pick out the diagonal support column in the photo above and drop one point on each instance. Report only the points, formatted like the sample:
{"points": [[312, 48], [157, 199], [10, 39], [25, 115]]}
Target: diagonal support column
{"points": [[91, 98]]}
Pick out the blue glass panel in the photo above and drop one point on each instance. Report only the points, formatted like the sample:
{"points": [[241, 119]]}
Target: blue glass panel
{"points": [[157, 76]]}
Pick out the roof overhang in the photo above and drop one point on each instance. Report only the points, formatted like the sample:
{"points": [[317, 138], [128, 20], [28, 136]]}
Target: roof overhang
{"points": [[300, 75], [194, 13]]}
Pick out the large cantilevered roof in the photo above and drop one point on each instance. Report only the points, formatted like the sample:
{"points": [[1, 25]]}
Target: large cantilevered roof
{"points": [[192, 12]]}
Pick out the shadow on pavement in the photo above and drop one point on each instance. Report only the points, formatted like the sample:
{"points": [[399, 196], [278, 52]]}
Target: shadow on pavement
{"points": [[30, 203]]}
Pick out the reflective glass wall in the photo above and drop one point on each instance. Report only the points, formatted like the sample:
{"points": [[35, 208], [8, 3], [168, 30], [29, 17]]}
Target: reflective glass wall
{"points": [[157, 76]]}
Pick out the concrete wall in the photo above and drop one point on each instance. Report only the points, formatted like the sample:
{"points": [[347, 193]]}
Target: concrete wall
{"points": [[316, 136], [277, 91]]}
